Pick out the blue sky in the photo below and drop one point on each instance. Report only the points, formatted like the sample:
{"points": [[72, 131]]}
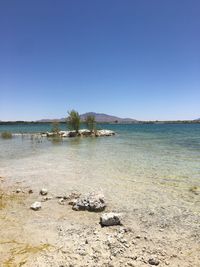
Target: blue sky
{"points": [[129, 58]]}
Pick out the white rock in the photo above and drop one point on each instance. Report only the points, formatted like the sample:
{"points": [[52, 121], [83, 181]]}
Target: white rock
{"points": [[64, 133], [36, 205], [105, 133], [82, 131], [43, 192], [111, 218]]}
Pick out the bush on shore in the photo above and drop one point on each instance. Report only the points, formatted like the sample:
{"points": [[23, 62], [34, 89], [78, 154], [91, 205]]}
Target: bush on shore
{"points": [[6, 135], [90, 122], [74, 120]]}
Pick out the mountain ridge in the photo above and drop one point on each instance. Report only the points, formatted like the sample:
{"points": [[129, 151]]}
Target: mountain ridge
{"points": [[99, 117]]}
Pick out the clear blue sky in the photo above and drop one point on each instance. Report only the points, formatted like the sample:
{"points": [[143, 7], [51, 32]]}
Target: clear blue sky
{"points": [[130, 58]]}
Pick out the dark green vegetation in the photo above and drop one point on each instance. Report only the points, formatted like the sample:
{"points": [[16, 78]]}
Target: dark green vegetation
{"points": [[74, 120], [6, 135]]}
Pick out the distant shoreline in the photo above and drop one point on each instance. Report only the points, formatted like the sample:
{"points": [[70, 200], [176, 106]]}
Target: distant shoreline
{"points": [[105, 122]]}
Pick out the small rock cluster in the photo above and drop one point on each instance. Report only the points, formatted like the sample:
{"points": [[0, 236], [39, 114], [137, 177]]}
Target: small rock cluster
{"points": [[82, 132], [91, 202], [94, 202]]}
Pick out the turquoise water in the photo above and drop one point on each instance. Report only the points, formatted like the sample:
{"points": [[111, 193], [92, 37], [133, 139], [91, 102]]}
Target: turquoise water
{"points": [[149, 163]]}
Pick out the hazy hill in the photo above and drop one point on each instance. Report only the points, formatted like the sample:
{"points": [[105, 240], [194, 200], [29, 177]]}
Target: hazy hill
{"points": [[99, 117]]}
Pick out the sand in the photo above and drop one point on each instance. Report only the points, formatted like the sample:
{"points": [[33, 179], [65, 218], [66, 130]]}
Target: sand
{"points": [[56, 235]]}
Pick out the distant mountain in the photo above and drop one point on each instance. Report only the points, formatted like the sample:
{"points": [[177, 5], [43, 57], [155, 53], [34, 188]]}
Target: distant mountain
{"points": [[48, 120], [99, 117]]}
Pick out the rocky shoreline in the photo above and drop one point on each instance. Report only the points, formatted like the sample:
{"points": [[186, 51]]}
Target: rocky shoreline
{"points": [[64, 134], [66, 230]]}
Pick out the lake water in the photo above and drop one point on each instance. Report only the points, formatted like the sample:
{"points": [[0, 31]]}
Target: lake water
{"points": [[149, 163]]}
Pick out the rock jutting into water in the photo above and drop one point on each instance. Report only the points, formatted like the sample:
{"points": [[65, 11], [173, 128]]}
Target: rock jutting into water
{"points": [[110, 219], [82, 132], [91, 202]]}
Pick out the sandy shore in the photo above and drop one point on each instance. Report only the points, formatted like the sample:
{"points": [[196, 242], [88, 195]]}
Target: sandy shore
{"points": [[58, 236]]}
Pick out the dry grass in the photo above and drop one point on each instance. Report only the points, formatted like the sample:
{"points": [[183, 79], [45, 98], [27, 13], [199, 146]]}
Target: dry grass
{"points": [[9, 198], [6, 135], [20, 252]]}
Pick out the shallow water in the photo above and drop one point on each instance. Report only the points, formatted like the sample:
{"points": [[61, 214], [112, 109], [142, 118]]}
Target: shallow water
{"points": [[143, 163]]}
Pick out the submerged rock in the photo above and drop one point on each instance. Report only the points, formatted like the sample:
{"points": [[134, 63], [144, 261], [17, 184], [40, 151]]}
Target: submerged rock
{"points": [[36, 205], [111, 218], [91, 202]]}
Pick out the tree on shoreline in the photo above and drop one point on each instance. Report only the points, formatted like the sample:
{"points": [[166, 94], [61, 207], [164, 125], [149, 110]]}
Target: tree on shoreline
{"points": [[74, 120], [90, 122]]}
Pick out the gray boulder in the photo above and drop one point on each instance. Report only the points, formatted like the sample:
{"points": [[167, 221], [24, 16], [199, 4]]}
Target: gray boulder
{"points": [[111, 218], [91, 202], [153, 261]]}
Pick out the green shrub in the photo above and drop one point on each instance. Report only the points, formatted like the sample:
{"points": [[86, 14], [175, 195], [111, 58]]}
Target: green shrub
{"points": [[6, 135], [74, 120], [90, 122], [55, 127]]}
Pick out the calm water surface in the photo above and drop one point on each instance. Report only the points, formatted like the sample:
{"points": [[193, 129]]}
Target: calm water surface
{"points": [[138, 160]]}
